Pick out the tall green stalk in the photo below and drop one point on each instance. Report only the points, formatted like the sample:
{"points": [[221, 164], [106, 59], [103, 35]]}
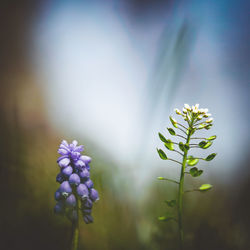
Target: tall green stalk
{"points": [[180, 193], [193, 116]]}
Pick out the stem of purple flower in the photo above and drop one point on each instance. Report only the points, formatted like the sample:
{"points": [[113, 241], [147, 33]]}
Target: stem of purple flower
{"points": [[75, 229]]}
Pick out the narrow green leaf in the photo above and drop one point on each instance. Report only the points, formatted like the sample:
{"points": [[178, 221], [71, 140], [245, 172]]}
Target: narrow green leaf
{"points": [[181, 146], [210, 157], [212, 138], [164, 218], [160, 178], [191, 161], [205, 144], [171, 131], [171, 203], [205, 187], [195, 172], [163, 139], [173, 121], [162, 154], [169, 145]]}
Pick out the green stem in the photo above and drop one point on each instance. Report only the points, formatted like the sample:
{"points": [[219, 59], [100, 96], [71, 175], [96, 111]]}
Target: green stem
{"points": [[180, 194], [75, 230]]}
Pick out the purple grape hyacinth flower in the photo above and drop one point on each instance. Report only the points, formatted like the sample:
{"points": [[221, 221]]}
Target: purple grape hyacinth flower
{"points": [[76, 187]]}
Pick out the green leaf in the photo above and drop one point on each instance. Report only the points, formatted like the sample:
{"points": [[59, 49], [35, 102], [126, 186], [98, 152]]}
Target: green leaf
{"points": [[205, 187], [169, 145], [186, 147], [212, 138], [174, 123], [210, 157], [165, 218], [162, 154], [171, 203], [191, 161], [160, 178], [205, 144], [171, 131], [163, 139], [181, 146], [195, 172]]}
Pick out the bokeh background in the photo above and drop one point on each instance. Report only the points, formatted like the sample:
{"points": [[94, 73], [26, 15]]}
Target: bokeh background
{"points": [[109, 73]]}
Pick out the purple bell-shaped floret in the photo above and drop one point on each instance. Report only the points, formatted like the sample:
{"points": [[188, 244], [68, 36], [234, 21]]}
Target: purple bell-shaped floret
{"points": [[89, 183], [82, 191], [94, 195], [71, 201], [65, 188], [88, 218], [84, 173], [60, 178], [58, 195], [67, 171], [59, 208], [74, 179]]}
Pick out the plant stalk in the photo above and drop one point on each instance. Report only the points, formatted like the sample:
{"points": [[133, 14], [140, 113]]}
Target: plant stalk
{"points": [[75, 229], [180, 194]]}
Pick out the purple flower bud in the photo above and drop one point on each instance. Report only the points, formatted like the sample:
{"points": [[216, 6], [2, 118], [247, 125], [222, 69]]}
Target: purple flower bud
{"points": [[65, 188], [87, 203], [71, 201], [86, 211], [84, 173], [82, 191], [88, 218], [59, 208], [86, 159], [63, 161], [60, 178], [67, 171], [88, 167], [74, 179], [94, 195], [58, 195], [89, 183]]}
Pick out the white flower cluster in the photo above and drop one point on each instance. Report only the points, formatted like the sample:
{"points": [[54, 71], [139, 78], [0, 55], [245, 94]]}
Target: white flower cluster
{"points": [[194, 112]]}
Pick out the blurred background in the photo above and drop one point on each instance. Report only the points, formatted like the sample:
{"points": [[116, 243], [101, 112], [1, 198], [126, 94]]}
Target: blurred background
{"points": [[109, 73]]}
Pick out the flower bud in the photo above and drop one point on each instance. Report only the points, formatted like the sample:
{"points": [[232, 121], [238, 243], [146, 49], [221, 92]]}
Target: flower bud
{"points": [[187, 107], [87, 203], [65, 188], [74, 179], [88, 218], [60, 178], [84, 173], [89, 183], [209, 120], [67, 171], [63, 161], [94, 195], [177, 111], [58, 195], [86, 159], [82, 191], [59, 208], [71, 201]]}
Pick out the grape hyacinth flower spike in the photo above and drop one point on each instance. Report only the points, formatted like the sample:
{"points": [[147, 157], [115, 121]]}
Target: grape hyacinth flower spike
{"points": [[196, 119], [76, 190]]}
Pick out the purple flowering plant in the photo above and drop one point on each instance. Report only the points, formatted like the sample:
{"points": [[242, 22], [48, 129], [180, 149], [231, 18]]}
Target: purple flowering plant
{"points": [[76, 192]]}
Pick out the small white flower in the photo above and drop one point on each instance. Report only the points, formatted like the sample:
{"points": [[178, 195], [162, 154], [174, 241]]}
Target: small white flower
{"points": [[209, 120], [177, 111], [184, 110], [187, 107], [197, 106], [199, 117]]}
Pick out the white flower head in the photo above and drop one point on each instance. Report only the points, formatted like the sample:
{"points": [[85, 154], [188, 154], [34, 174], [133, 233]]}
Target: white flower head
{"points": [[184, 110], [187, 107]]}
